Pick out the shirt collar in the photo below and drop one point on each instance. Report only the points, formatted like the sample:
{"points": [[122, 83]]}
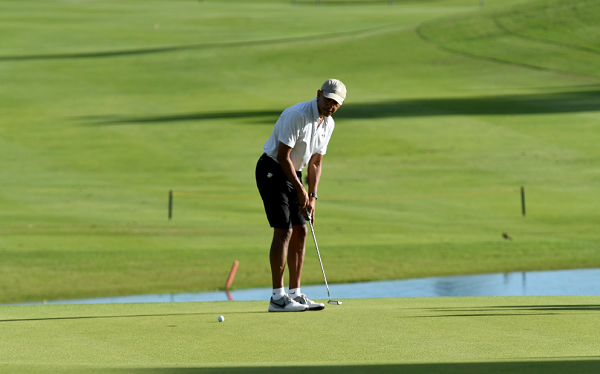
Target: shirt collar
{"points": [[315, 110]]}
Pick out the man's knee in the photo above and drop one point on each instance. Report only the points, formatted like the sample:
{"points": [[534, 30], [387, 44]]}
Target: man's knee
{"points": [[282, 236], [300, 232]]}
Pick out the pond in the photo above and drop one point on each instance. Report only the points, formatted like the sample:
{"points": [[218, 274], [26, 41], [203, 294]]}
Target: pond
{"points": [[577, 282]]}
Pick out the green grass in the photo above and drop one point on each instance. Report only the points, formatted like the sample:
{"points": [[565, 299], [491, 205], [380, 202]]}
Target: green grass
{"points": [[412, 335], [107, 105], [550, 34]]}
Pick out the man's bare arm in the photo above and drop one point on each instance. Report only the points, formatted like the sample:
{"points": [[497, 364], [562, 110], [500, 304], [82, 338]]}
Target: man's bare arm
{"points": [[283, 156], [314, 176]]}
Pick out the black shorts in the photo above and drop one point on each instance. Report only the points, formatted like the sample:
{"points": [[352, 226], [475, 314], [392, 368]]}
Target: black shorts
{"points": [[278, 194]]}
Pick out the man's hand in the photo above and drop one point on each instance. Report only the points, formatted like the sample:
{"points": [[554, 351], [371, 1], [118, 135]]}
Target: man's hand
{"points": [[302, 198], [310, 209], [313, 170], [283, 156]]}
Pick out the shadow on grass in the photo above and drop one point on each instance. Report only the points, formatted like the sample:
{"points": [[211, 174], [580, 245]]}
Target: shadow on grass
{"points": [[528, 308], [115, 120], [587, 365], [188, 47], [551, 103], [122, 316], [513, 311], [570, 308]]}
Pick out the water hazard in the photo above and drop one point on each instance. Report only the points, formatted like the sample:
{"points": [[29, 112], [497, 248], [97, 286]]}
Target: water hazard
{"points": [[578, 282]]}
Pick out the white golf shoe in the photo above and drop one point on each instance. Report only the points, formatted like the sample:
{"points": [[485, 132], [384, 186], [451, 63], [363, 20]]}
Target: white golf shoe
{"points": [[285, 304], [302, 299]]}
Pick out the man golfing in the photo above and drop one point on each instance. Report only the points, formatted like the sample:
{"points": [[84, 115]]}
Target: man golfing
{"points": [[299, 140]]}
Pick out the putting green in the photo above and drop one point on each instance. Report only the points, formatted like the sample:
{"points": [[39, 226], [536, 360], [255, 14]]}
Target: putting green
{"points": [[422, 335]]}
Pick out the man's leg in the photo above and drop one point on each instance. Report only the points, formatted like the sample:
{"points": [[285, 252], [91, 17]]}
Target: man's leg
{"points": [[280, 302], [297, 249], [274, 191], [278, 254]]}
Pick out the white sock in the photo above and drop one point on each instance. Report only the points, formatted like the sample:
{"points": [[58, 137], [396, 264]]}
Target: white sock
{"points": [[278, 293], [294, 293]]}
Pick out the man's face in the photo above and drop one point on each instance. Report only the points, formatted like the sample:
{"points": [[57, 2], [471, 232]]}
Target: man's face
{"points": [[326, 106]]}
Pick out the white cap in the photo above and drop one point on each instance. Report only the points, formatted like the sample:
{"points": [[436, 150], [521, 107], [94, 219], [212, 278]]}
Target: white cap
{"points": [[334, 89]]}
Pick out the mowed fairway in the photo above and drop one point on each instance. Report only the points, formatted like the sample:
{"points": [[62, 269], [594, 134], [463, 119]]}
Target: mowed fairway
{"points": [[428, 335], [107, 105]]}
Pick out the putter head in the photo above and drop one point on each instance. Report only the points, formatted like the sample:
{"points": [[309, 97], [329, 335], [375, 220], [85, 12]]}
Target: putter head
{"points": [[334, 302]]}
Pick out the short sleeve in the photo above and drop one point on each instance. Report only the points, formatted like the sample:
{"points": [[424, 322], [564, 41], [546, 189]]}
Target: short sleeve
{"points": [[322, 150], [291, 128]]}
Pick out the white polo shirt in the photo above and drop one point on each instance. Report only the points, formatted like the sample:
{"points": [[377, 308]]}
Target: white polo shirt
{"points": [[297, 128]]}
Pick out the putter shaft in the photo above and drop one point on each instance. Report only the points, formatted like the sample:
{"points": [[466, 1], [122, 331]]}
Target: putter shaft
{"points": [[312, 230], [319, 254]]}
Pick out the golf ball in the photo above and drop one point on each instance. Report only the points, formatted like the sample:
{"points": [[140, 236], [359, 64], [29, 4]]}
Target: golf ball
{"points": [[221, 318]]}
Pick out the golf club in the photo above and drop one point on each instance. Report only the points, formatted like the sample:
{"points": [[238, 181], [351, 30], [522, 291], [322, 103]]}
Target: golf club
{"points": [[321, 262]]}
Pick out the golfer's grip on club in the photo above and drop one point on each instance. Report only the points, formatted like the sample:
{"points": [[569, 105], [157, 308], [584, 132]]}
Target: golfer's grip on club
{"points": [[308, 216]]}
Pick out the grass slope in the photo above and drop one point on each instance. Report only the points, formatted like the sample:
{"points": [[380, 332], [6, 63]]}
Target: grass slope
{"points": [[107, 105], [549, 34], [420, 335]]}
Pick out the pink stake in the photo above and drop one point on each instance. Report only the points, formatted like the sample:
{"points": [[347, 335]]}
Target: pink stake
{"points": [[231, 275]]}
